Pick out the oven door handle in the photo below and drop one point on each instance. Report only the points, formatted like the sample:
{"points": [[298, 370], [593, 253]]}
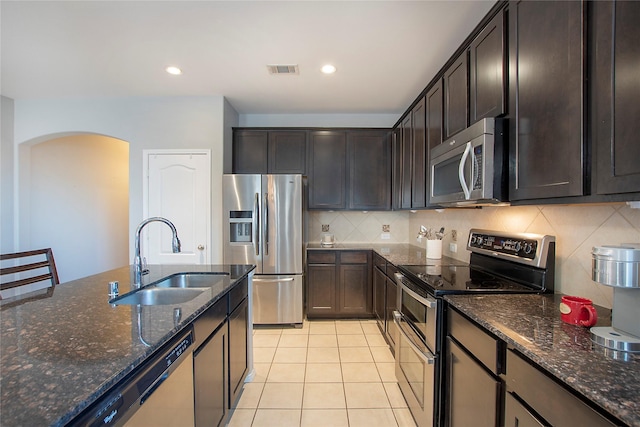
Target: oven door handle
{"points": [[429, 302], [429, 358]]}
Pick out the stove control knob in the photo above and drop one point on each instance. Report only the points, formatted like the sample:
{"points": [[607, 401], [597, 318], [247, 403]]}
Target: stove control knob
{"points": [[474, 239], [517, 247], [528, 248], [479, 241]]}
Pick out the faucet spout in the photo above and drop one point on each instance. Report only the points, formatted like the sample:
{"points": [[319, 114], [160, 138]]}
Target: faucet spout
{"points": [[137, 261]]}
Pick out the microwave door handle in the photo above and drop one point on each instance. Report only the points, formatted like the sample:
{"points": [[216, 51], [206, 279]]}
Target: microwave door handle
{"points": [[463, 182], [256, 223]]}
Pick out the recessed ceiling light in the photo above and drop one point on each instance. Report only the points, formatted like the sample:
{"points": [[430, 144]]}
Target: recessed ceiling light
{"points": [[174, 70], [328, 69]]}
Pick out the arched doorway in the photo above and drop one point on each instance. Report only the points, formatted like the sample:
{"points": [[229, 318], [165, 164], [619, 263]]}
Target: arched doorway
{"points": [[74, 198]]}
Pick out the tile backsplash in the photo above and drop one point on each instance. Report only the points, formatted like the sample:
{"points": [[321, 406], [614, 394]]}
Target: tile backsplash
{"points": [[577, 229]]}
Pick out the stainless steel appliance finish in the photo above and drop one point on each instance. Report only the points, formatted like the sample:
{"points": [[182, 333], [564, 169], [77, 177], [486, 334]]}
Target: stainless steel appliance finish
{"points": [[161, 394], [500, 262], [470, 167], [264, 226], [416, 363], [619, 267]]}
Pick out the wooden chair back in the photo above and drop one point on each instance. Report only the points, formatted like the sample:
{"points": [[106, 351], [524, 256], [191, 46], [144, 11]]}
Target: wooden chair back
{"points": [[31, 267]]}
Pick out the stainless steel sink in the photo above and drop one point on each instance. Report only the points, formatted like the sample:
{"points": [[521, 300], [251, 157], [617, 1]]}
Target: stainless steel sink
{"points": [[159, 296], [191, 280]]}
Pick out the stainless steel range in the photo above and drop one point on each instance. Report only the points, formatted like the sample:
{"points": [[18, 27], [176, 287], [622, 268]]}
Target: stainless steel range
{"points": [[500, 262]]}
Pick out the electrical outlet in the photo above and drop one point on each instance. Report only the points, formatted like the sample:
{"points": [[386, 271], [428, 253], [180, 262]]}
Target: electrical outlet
{"points": [[385, 236], [453, 248], [325, 228], [386, 228], [454, 235]]}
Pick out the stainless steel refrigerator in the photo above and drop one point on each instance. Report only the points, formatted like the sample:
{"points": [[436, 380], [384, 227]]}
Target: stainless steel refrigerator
{"points": [[264, 226]]}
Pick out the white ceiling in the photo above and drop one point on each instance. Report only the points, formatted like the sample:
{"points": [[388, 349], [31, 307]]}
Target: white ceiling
{"points": [[385, 51]]}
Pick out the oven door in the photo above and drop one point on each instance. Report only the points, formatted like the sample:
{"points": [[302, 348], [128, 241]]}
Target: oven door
{"points": [[460, 174], [415, 371], [419, 310]]}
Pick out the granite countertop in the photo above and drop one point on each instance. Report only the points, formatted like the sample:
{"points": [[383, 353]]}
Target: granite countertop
{"points": [[531, 324], [395, 253], [59, 354]]}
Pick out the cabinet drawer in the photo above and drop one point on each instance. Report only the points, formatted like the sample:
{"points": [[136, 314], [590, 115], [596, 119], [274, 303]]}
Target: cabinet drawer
{"points": [[552, 401], [210, 320], [483, 346], [380, 262], [237, 294], [354, 257], [391, 271], [321, 257]]}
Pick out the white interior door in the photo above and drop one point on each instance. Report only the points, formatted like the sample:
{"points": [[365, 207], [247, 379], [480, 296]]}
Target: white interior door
{"points": [[178, 187]]}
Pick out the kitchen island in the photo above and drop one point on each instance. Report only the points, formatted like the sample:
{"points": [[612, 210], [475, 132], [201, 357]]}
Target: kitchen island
{"points": [[60, 354]]}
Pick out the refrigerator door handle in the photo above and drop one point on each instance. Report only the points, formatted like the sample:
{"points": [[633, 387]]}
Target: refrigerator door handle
{"points": [[286, 279], [266, 224], [256, 223]]}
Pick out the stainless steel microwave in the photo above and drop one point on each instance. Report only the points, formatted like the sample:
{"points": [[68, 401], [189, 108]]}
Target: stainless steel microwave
{"points": [[470, 168]]}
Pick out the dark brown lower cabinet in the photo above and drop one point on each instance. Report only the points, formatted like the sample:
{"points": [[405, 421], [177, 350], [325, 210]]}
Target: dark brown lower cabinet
{"points": [[238, 327], [210, 370], [339, 284]]}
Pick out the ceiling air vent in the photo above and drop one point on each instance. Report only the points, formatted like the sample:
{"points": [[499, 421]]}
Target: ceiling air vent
{"points": [[283, 69]]}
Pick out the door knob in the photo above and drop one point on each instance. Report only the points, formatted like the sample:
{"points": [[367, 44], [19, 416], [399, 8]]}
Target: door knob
{"points": [[200, 247]]}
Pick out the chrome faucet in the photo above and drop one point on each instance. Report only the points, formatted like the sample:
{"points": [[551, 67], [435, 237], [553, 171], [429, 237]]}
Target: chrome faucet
{"points": [[137, 261]]}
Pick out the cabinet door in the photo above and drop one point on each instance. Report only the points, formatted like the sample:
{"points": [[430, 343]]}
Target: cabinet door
{"points": [[407, 163], [616, 91], [456, 80], [419, 155], [369, 170], [379, 295], [354, 290], [516, 415], [211, 381], [287, 152], [434, 105], [546, 99], [473, 395], [321, 290], [392, 304], [250, 151], [238, 326], [327, 170], [487, 83], [396, 179]]}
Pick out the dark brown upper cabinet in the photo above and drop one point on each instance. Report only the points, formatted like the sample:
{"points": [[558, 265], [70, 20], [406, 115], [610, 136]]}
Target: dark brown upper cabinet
{"points": [[369, 170], [407, 161], [419, 149], [546, 44], [327, 170], [273, 151], [615, 94], [396, 178], [250, 151], [350, 169], [487, 74], [456, 99], [288, 152], [433, 100]]}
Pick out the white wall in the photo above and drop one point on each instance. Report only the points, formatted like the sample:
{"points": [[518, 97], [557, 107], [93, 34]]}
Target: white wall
{"points": [[319, 120], [79, 199], [6, 175], [145, 123]]}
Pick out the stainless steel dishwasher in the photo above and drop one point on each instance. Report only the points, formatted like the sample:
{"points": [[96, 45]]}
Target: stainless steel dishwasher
{"points": [[160, 394]]}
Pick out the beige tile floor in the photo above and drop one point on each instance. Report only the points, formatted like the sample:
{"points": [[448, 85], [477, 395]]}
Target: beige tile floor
{"points": [[328, 373]]}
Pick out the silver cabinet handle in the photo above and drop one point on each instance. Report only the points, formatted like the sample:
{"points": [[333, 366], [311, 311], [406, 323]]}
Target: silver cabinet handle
{"points": [[201, 247]]}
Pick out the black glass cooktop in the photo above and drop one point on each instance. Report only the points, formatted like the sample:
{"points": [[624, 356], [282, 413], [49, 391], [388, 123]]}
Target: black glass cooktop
{"points": [[458, 279]]}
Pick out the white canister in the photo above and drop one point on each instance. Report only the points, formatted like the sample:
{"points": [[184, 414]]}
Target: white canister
{"points": [[434, 249]]}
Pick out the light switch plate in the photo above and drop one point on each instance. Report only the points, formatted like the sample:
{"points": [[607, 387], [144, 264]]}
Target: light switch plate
{"points": [[453, 247]]}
